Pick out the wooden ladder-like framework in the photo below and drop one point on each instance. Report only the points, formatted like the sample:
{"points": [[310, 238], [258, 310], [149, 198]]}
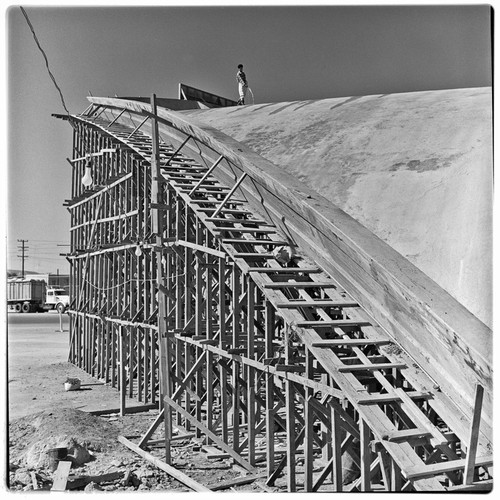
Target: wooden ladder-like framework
{"points": [[183, 296]]}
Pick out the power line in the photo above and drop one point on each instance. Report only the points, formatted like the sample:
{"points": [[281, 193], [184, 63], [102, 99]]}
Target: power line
{"points": [[46, 60]]}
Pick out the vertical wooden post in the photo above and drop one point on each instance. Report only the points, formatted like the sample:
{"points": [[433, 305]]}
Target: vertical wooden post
{"points": [[250, 371], [123, 372], [209, 376], [269, 335], [234, 379], [474, 436], [166, 388], [397, 482], [385, 467], [188, 272], [308, 423], [222, 372], [198, 314], [337, 435], [365, 455], [290, 416]]}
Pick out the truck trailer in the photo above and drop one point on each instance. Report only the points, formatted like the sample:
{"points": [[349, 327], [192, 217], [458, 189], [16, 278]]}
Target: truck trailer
{"points": [[29, 296]]}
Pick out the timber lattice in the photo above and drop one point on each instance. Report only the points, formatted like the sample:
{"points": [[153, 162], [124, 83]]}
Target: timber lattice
{"points": [[178, 297]]}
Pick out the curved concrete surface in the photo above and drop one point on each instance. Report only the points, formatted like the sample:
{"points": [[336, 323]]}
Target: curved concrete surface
{"points": [[414, 168]]}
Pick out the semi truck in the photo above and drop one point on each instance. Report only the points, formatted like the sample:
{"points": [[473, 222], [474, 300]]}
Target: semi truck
{"points": [[27, 296]]}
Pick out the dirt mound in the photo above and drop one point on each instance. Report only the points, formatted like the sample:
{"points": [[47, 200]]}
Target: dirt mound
{"points": [[82, 433]]}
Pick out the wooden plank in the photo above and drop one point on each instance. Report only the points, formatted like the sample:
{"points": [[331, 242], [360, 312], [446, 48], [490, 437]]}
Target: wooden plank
{"points": [[34, 480], [475, 487], [371, 367], [407, 435], [315, 303], [333, 323], [350, 342], [443, 467], [286, 270], [301, 284], [236, 241], [373, 399], [252, 255], [260, 222], [171, 471], [83, 480], [238, 481], [244, 230], [61, 476]]}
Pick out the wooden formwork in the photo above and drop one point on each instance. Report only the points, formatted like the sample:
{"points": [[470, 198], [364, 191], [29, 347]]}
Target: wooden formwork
{"points": [[183, 294]]}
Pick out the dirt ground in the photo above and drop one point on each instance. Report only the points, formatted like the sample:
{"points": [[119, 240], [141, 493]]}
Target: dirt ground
{"points": [[43, 416]]}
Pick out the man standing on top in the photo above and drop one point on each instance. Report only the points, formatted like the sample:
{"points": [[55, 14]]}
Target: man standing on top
{"points": [[242, 85]]}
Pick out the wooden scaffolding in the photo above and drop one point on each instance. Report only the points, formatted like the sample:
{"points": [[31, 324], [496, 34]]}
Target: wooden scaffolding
{"points": [[186, 295]]}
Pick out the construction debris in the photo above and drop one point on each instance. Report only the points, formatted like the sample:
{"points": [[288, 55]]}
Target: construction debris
{"points": [[113, 467]]}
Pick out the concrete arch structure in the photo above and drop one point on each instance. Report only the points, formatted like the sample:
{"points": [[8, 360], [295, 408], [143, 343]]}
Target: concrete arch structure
{"points": [[415, 168]]}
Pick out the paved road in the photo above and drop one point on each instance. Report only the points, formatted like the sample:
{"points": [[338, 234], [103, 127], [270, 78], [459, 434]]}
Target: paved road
{"points": [[35, 343], [35, 339], [38, 367], [46, 318]]}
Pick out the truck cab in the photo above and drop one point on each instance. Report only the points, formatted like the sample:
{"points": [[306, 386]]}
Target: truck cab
{"points": [[57, 298]]}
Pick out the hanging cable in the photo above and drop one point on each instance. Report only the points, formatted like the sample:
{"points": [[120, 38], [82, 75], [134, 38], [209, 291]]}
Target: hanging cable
{"points": [[85, 147], [46, 60], [135, 280]]}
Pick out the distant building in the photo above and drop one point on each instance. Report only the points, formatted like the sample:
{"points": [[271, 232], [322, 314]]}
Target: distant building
{"points": [[53, 280]]}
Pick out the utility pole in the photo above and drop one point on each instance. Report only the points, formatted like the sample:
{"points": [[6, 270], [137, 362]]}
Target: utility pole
{"points": [[23, 248]]}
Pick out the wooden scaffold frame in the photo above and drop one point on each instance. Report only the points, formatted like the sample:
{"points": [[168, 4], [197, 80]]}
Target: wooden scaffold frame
{"points": [[186, 296]]}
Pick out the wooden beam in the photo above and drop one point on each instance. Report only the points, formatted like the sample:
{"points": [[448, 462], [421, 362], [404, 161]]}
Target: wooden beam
{"points": [[229, 195], [205, 176], [200, 248], [171, 471]]}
